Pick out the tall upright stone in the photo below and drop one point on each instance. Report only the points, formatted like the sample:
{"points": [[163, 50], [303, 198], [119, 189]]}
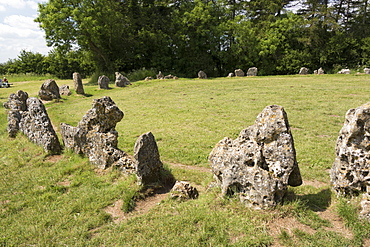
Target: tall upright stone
{"points": [[259, 165], [77, 80], [16, 104], [103, 82]]}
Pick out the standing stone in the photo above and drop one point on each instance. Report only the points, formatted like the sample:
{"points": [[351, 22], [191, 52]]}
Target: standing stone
{"points": [[49, 90], [160, 75], [64, 90], [16, 104], [230, 75], [95, 136], [239, 73], [148, 165], [78, 83], [103, 82], [315, 72], [303, 71], [350, 173], [320, 71], [367, 71], [121, 81], [345, 71], [252, 71], [202, 75], [183, 191], [36, 125], [261, 163]]}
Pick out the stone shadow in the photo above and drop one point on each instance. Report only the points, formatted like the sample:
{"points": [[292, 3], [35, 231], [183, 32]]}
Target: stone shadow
{"points": [[318, 202]]}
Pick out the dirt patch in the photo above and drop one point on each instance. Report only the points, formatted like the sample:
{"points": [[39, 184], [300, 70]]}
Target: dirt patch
{"points": [[116, 212], [315, 184], [337, 222], [195, 168], [53, 158], [64, 183]]}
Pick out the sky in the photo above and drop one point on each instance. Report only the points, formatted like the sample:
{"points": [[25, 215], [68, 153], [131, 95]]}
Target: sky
{"points": [[18, 31]]}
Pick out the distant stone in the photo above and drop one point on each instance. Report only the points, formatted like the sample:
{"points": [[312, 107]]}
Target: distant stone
{"points": [[148, 165], [36, 125], [239, 73], [64, 90], [259, 165], [160, 75], [49, 90], [252, 71], [202, 75], [95, 136], [230, 75], [303, 71], [350, 171], [183, 191], [103, 82], [315, 72], [345, 71], [121, 81], [78, 83], [367, 71], [320, 71], [16, 104], [148, 78]]}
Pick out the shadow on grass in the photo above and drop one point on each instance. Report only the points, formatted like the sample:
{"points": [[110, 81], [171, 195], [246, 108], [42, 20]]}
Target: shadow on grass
{"points": [[318, 202]]}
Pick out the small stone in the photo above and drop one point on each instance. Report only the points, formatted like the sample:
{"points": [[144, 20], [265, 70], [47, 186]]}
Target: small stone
{"points": [[49, 90], [239, 73], [202, 75], [183, 191]]}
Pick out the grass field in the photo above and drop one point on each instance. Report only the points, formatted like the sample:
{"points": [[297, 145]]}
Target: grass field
{"points": [[63, 200]]}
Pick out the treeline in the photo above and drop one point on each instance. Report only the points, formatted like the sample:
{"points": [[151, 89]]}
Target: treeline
{"points": [[183, 37]]}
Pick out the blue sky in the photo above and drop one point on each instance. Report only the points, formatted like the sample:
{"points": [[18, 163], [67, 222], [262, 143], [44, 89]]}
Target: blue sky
{"points": [[18, 31]]}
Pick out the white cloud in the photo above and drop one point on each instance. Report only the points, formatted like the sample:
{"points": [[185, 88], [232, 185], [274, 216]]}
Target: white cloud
{"points": [[18, 4], [2, 8]]}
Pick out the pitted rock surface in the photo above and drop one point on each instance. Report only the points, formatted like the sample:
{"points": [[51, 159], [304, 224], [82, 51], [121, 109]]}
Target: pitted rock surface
{"points": [[77, 81], [259, 164], [252, 71], [49, 90], [202, 75], [121, 81], [103, 82], [303, 71], [183, 191], [64, 90], [148, 165], [95, 136], [350, 172], [239, 72], [36, 125], [16, 104]]}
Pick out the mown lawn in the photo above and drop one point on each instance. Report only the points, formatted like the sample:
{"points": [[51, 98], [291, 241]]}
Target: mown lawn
{"points": [[56, 201]]}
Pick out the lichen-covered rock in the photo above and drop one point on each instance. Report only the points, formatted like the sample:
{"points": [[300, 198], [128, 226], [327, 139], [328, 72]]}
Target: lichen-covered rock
{"points": [[64, 90], [239, 73], [261, 163], [121, 81], [160, 75], [103, 82], [16, 104], [202, 75], [320, 71], [183, 191], [95, 136], [350, 172], [252, 71], [303, 71], [36, 125], [77, 80], [148, 165], [49, 90]]}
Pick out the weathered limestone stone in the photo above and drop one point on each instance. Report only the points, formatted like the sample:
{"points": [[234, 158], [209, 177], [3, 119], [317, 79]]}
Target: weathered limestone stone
{"points": [[49, 90], [183, 191], [230, 75], [148, 78], [64, 90], [16, 104], [252, 71], [103, 82], [36, 125], [77, 80], [350, 173], [303, 71], [345, 71], [202, 75], [148, 165], [367, 71], [320, 71], [121, 81], [95, 136], [315, 72], [239, 72], [160, 75], [261, 163]]}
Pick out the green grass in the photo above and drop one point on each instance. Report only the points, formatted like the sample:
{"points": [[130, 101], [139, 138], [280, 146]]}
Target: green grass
{"points": [[47, 202]]}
